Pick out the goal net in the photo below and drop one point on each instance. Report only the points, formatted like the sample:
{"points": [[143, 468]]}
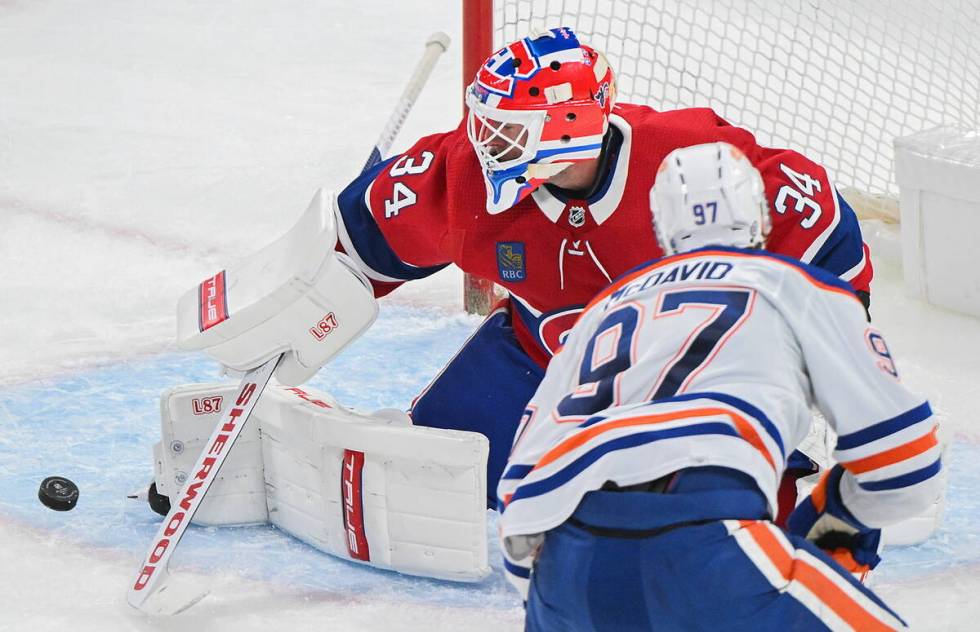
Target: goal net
{"points": [[837, 80]]}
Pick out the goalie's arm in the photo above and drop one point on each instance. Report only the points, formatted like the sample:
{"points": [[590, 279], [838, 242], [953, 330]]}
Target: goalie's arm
{"points": [[296, 296], [393, 220]]}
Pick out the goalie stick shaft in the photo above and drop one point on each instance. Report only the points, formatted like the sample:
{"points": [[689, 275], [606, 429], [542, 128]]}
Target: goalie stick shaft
{"points": [[435, 46], [151, 580]]}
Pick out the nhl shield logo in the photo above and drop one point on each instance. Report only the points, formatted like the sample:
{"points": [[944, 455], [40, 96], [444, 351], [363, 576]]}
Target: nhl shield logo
{"points": [[510, 261], [576, 216]]}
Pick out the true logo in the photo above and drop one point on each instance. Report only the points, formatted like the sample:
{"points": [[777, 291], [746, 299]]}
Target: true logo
{"points": [[576, 216], [212, 302], [350, 492], [298, 392]]}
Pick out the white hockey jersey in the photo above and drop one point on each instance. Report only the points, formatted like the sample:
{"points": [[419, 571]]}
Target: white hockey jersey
{"points": [[714, 357]]}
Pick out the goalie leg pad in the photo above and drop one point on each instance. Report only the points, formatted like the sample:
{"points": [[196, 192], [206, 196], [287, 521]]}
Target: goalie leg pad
{"points": [[370, 488], [375, 490], [188, 414]]}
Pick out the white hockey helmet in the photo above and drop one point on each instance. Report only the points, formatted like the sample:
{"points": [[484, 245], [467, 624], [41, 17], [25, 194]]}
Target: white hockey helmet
{"points": [[706, 195]]}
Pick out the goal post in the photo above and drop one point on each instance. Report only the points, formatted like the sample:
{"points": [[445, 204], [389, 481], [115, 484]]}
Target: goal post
{"points": [[478, 293], [838, 80]]}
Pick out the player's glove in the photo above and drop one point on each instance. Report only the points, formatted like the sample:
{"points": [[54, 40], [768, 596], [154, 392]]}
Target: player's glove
{"points": [[823, 519]]}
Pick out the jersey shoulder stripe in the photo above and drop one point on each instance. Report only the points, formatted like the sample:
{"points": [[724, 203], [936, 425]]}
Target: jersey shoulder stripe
{"points": [[811, 274]]}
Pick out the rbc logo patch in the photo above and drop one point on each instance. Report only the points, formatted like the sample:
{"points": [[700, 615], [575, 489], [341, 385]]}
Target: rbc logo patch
{"points": [[510, 261]]}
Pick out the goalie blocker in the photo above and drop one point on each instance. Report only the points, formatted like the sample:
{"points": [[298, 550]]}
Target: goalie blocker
{"points": [[296, 297], [370, 488]]}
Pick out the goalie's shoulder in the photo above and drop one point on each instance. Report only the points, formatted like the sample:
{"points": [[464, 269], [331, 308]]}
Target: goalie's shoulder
{"points": [[696, 120]]}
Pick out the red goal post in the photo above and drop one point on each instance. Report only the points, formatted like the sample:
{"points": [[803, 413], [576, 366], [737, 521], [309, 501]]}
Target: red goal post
{"points": [[838, 80], [478, 293]]}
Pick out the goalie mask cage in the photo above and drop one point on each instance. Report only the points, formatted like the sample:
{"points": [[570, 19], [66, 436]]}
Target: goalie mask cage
{"points": [[837, 80]]}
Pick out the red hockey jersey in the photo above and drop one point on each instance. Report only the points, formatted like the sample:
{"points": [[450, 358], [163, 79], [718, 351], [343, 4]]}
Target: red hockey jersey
{"points": [[412, 215]]}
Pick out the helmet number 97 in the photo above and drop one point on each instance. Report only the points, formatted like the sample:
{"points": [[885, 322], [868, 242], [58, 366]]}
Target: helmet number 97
{"points": [[701, 213]]}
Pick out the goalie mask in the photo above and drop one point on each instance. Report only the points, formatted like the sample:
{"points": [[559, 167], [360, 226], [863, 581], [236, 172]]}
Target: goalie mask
{"points": [[709, 195], [535, 107]]}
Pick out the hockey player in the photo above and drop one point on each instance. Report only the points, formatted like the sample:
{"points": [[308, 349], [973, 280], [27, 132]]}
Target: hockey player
{"points": [[543, 190], [643, 478]]}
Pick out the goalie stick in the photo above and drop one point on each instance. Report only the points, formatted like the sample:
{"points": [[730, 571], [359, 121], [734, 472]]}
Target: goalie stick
{"points": [[153, 591]]}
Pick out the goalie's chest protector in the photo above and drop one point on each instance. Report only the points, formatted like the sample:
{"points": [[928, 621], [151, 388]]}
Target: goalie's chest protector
{"points": [[552, 253]]}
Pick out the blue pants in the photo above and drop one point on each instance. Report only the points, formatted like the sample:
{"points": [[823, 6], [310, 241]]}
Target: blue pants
{"points": [[483, 389], [631, 561]]}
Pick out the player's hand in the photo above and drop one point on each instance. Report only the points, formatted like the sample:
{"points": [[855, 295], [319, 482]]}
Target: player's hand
{"points": [[856, 552], [823, 519]]}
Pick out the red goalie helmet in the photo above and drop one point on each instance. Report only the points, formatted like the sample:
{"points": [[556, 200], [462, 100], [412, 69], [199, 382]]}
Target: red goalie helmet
{"points": [[535, 107]]}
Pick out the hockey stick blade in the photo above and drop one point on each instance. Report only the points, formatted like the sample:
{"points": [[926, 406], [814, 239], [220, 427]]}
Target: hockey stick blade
{"points": [[174, 595], [152, 592]]}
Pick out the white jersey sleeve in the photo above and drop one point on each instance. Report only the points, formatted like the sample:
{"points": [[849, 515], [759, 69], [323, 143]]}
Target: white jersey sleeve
{"points": [[886, 434]]}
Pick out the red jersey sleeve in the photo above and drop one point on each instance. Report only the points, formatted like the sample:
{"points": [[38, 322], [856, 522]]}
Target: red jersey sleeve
{"points": [[811, 221], [392, 220]]}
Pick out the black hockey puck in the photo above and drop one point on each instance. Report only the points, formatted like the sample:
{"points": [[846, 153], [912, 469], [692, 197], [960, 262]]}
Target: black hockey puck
{"points": [[58, 493], [158, 502]]}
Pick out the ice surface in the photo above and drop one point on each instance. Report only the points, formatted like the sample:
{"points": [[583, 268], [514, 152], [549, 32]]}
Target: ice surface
{"points": [[143, 146]]}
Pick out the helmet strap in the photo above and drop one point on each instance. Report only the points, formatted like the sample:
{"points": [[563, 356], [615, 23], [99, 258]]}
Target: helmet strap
{"points": [[611, 142]]}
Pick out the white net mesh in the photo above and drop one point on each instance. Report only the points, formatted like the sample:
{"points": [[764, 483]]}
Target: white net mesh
{"points": [[838, 80]]}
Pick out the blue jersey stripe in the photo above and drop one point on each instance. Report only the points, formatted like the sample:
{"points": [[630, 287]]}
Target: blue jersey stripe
{"points": [[514, 569], [517, 472], [884, 428], [580, 464], [369, 242], [845, 247], [905, 480], [743, 406]]}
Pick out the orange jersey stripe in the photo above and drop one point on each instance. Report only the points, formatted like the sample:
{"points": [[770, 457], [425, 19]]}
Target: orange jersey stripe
{"points": [[819, 494], [895, 455], [743, 427], [798, 570]]}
